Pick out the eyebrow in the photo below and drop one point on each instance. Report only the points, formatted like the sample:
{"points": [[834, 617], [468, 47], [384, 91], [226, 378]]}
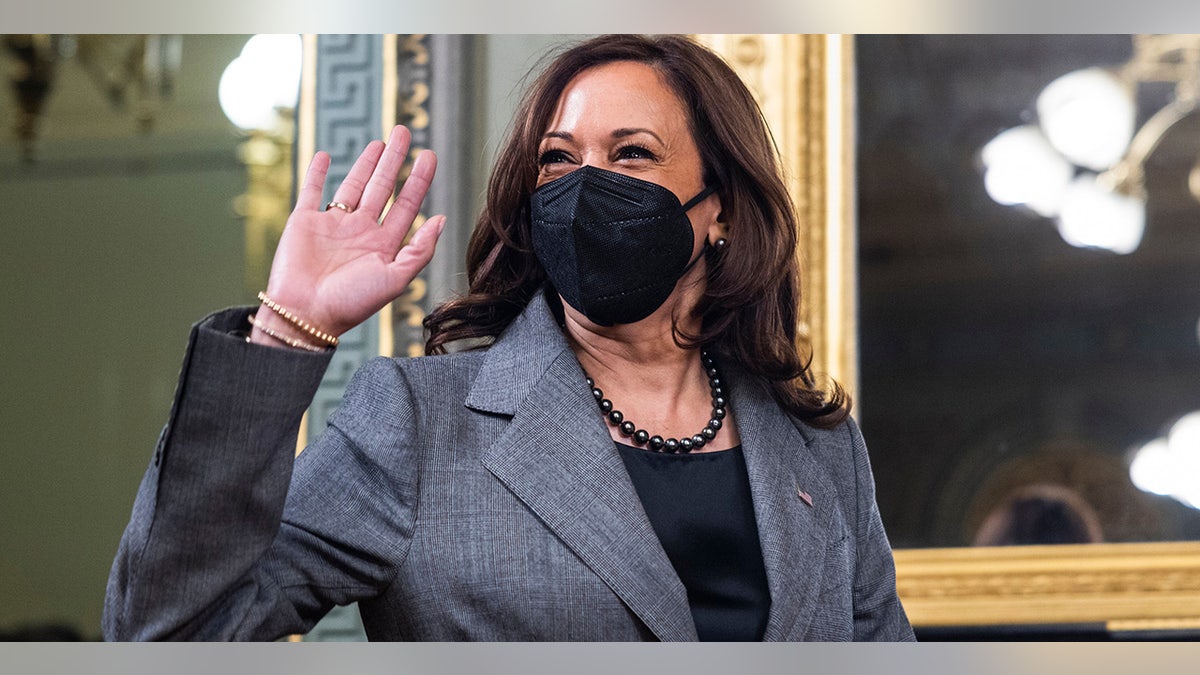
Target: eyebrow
{"points": [[617, 133]]}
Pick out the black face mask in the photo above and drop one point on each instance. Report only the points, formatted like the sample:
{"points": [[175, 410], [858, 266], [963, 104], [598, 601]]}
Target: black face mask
{"points": [[614, 246]]}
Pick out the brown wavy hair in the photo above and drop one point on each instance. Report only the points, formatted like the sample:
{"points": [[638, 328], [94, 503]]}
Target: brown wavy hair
{"points": [[749, 311]]}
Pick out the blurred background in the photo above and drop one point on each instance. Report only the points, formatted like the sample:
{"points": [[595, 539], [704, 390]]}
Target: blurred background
{"points": [[119, 231], [1027, 264], [1029, 270]]}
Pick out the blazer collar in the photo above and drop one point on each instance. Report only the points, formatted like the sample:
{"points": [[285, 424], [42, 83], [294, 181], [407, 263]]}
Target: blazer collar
{"points": [[557, 457], [794, 529], [518, 360]]}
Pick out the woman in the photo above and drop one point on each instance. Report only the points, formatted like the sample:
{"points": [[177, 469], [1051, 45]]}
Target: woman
{"points": [[638, 452]]}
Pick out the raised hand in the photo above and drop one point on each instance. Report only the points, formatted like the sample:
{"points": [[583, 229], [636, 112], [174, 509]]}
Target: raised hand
{"points": [[336, 267]]}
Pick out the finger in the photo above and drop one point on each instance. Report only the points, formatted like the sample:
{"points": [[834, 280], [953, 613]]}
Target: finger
{"points": [[383, 180], [309, 197], [415, 255], [404, 210], [351, 189]]}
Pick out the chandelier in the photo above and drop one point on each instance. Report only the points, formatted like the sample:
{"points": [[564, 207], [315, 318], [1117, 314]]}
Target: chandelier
{"points": [[1083, 162], [135, 72]]}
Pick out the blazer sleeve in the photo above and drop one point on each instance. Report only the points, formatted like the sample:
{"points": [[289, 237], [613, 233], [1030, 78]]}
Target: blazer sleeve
{"points": [[232, 536], [878, 614]]}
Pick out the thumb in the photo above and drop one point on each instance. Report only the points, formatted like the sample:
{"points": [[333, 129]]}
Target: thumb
{"points": [[415, 255]]}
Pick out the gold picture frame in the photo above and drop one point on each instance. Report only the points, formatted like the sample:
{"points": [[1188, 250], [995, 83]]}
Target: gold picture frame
{"points": [[805, 84], [1145, 586]]}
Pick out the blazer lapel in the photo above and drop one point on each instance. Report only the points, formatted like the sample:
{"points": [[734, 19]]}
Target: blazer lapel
{"points": [[793, 501], [557, 457]]}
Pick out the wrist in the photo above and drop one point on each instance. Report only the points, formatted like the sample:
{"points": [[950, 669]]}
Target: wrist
{"points": [[314, 334], [267, 328]]}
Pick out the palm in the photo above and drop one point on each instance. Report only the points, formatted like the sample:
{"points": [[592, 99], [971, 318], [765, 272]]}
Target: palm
{"points": [[336, 268]]}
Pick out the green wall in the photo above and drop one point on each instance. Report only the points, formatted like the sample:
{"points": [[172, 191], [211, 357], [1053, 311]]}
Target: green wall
{"points": [[111, 246]]}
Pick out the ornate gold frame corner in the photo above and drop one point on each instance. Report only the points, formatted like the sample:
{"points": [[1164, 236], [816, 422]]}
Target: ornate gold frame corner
{"points": [[805, 85], [1150, 586]]}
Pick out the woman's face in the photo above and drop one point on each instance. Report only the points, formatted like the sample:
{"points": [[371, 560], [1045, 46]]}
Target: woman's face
{"points": [[623, 117]]}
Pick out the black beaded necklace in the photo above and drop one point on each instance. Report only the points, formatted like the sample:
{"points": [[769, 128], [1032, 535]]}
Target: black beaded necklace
{"points": [[670, 445]]}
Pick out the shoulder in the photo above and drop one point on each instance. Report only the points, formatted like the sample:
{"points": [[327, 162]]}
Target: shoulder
{"points": [[844, 437], [387, 395], [416, 376], [437, 367], [840, 449], [845, 440]]}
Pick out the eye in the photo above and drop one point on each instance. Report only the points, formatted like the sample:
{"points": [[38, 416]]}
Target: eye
{"points": [[634, 151], [552, 157]]}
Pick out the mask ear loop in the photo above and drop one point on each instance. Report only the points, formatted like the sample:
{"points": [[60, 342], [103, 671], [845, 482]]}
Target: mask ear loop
{"points": [[708, 190]]}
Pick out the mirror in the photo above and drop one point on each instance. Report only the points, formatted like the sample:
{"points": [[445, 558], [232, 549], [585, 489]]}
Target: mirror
{"points": [[1008, 376]]}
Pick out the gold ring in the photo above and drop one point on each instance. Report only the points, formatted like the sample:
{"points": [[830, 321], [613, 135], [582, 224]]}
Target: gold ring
{"points": [[338, 205]]}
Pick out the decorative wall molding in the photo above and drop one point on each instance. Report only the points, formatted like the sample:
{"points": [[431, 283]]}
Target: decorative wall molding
{"points": [[347, 116], [412, 92], [437, 88]]}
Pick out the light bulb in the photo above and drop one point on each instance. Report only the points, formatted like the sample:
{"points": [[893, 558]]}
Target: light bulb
{"points": [[1151, 469], [1089, 116], [1022, 168], [280, 58], [1093, 216], [264, 77]]}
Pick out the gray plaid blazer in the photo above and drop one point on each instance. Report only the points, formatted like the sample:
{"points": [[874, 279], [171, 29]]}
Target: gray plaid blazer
{"points": [[475, 496]]}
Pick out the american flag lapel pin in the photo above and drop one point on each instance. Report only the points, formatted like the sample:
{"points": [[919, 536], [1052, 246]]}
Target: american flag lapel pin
{"points": [[804, 496]]}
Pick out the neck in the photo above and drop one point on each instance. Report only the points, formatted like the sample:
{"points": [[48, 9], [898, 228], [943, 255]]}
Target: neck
{"points": [[647, 346], [652, 381], [644, 353]]}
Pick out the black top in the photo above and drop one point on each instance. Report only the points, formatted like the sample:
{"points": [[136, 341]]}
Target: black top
{"points": [[700, 506]]}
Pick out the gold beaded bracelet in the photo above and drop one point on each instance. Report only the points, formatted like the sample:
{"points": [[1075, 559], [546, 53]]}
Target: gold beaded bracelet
{"points": [[296, 321], [291, 342]]}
